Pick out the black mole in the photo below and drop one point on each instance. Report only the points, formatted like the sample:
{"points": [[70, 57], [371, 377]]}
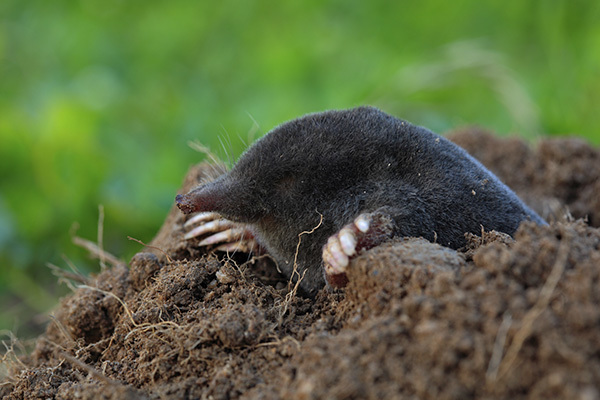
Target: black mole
{"points": [[370, 176]]}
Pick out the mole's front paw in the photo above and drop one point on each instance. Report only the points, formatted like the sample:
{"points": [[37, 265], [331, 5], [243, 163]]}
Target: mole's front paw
{"points": [[227, 236], [366, 231]]}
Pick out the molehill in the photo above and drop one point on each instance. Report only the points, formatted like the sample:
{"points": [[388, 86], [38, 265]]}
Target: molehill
{"points": [[502, 318]]}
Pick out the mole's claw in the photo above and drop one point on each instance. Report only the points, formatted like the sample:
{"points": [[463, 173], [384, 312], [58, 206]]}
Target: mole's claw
{"points": [[201, 217], [228, 236], [366, 231], [362, 222], [333, 253], [225, 236], [245, 245], [348, 241], [209, 227]]}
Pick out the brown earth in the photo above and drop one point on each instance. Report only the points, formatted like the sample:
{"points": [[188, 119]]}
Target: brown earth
{"points": [[502, 319]]}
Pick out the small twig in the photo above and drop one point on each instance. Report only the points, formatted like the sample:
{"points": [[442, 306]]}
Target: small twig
{"points": [[96, 251], [61, 274], [71, 265]]}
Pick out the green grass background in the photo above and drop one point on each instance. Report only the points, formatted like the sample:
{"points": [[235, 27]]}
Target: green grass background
{"points": [[99, 99]]}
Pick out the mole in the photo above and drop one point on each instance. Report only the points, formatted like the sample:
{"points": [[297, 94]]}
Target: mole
{"points": [[316, 191]]}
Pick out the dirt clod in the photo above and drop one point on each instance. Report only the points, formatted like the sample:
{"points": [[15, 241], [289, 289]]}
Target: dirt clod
{"points": [[503, 318]]}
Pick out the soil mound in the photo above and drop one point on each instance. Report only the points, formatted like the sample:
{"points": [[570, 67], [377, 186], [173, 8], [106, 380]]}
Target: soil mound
{"points": [[505, 318]]}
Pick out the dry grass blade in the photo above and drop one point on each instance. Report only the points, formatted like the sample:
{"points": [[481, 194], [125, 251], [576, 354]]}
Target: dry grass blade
{"points": [[63, 275], [10, 357], [96, 251]]}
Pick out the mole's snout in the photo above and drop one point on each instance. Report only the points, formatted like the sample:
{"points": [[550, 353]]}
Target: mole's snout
{"points": [[183, 203], [208, 197]]}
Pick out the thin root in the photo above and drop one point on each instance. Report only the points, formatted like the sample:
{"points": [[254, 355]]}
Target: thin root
{"points": [[292, 293]]}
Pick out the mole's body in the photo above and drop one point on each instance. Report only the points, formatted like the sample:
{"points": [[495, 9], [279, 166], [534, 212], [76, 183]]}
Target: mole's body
{"points": [[401, 178]]}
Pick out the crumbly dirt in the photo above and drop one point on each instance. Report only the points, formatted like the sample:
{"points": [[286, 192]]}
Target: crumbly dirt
{"points": [[507, 318]]}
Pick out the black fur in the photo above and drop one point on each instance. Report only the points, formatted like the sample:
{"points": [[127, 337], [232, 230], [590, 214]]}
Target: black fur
{"points": [[340, 164]]}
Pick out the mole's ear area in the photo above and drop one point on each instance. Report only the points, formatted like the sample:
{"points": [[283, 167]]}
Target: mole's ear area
{"points": [[208, 197]]}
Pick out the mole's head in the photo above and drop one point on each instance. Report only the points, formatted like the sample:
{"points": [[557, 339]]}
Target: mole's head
{"points": [[260, 185], [234, 199], [294, 170]]}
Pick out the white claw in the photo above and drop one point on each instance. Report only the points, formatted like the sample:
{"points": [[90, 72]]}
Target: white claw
{"points": [[228, 236], [201, 217], [348, 241], [362, 223], [241, 246], [328, 261], [224, 236], [212, 226], [339, 257]]}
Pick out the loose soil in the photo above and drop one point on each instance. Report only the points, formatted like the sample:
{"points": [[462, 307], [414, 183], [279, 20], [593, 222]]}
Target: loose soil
{"points": [[503, 319]]}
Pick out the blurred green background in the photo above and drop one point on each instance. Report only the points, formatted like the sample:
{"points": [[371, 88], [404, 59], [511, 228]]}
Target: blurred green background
{"points": [[99, 99]]}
